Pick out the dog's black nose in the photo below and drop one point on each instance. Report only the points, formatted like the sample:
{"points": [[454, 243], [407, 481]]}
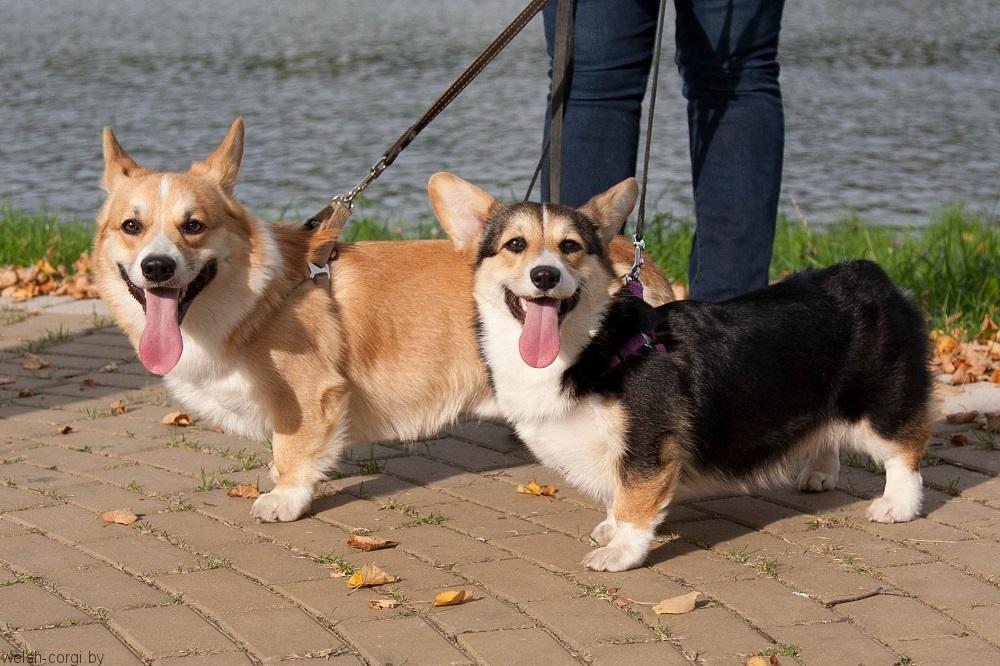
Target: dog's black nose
{"points": [[158, 267], [544, 277]]}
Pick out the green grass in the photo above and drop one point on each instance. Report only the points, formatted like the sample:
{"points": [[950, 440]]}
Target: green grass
{"points": [[952, 265], [30, 236]]}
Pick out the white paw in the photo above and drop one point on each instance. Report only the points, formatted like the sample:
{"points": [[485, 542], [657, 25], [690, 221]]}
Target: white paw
{"points": [[815, 481], [887, 510], [282, 504], [604, 532], [617, 557]]}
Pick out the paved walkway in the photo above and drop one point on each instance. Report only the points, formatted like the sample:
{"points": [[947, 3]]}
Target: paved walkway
{"points": [[195, 581]]}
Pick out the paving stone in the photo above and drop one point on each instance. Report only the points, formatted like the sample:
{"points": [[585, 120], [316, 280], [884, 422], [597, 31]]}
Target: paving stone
{"points": [[430, 473], [980, 557], [916, 531], [587, 621], [69, 460], [467, 456], [105, 587], [442, 546], [331, 599], [102, 443], [379, 642], [820, 579], [28, 606], [149, 479], [70, 523], [221, 591], [350, 513], [168, 630], [271, 563], [484, 613], [280, 632], [14, 499], [89, 641], [41, 556], [974, 458], [715, 635], [518, 646], [767, 603], [202, 533], [696, 566], [578, 523], [757, 513], [143, 554], [941, 586], [308, 534], [835, 643], [223, 659], [493, 435], [100, 497], [661, 653], [29, 476], [950, 650], [964, 514], [550, 549], [881, 616], [519, 581], [414, 573], [383, 488], [480, 522], [871, 550], [185, 461]]}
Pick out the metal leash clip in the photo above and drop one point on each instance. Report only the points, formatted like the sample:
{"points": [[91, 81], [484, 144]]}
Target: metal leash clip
{"points": [[640, 247]]}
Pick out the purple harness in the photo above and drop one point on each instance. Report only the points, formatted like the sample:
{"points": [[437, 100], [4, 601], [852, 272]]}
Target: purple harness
{"points": [[643, 340]]}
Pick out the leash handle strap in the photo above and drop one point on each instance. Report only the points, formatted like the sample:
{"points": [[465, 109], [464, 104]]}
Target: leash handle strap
{"points": [[439, 105]]}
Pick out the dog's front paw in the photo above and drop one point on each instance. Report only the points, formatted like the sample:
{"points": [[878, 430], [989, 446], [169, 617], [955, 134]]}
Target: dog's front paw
{"points": [[889, 510], [816, 481], [604, 532], [613, 557], [283, 504]]}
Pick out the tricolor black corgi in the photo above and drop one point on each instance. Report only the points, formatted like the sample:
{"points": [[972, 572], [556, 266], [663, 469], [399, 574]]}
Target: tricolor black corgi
{"points": [[631, 402]]}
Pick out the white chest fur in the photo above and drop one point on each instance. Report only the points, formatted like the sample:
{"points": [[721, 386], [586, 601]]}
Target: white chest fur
{"points": [[221, 393], [582, 439]]}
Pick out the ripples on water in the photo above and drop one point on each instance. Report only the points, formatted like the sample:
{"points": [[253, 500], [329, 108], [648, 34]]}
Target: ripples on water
{"points": [[891, 106]]}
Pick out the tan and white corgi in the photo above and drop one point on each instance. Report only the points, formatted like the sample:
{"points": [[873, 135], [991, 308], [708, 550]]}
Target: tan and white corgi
{"points": [[631, 403], [220, 303]]}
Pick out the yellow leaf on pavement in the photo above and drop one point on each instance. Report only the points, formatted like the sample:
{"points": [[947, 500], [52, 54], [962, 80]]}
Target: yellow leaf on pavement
{"points": [[533, 488], [119, 407], [33, 362], [244, 490], [379, 604], [678, 605], [453, 597], [369, 575], [368, 543], [177, 419], [119, 516]]}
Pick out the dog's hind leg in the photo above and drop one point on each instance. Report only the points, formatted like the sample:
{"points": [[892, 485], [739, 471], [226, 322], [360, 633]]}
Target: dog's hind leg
{"points": [[605, 530], [900, 501], [639, 506], [822, 462]]}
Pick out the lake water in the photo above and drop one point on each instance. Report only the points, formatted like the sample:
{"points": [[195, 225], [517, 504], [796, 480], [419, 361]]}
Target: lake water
{"points": [[891, 106]]}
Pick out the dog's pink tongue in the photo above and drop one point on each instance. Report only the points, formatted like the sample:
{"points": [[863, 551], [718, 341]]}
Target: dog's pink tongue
{"points": [[539, 343], [161, 345]]}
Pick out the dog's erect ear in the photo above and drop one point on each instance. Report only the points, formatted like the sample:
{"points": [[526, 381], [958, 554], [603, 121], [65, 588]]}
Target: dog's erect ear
{"points": [[222, 166], [610, 209], [117, 163], [461, 207]]}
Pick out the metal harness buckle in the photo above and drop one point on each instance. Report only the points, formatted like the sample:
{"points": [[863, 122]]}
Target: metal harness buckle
{"points": [[315, 270]]}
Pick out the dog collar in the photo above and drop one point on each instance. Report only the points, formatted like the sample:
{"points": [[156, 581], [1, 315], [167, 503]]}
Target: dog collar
{"points": [[643, 340]]}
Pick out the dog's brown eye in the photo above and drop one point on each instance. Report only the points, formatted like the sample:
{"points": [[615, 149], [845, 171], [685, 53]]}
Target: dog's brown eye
{"points": [[193, 227], [569, 246], [131, 226], [516, 245]]}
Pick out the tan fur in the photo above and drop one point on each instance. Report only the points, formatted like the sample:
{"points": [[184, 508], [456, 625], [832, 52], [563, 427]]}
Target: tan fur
{"points": [[640, 498], [390, 354]]}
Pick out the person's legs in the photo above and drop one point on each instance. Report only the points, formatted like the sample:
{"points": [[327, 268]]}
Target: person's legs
{"points": [[726, 54], [612, 54]]}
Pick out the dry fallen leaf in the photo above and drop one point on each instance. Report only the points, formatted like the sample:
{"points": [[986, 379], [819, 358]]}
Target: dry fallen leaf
{"points": [[109, 368], [120, 516], [369, 543], [946, 344], [244, 490], [379, 604], [532, 488], [995, 377], [762, 661], [992, 422], [119, 407], [88, 383], [177, 419], [677, 605], [369, 575], [959, 418], [65, 430], [959, 440], [453, 597], [33, 362], [25, 393]]}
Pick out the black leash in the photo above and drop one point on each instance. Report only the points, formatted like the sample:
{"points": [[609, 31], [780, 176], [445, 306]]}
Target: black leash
{"points": [[640, 222], [334, 215], [562, 79]]}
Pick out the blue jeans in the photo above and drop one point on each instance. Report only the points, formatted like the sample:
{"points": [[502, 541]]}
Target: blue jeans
{"points": [[727, 56]]}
